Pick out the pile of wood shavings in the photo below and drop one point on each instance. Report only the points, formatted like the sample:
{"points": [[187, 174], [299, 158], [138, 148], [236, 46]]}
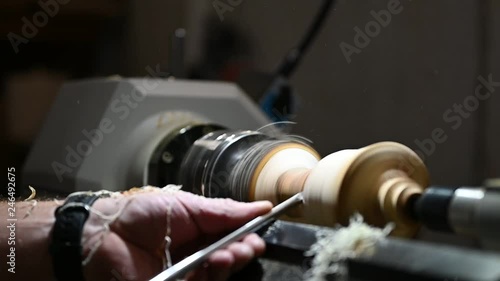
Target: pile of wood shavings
{"points": [[333, 247], [149, 188]]}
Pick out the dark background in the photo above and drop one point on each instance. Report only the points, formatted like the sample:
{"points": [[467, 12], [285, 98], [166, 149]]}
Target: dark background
{"points": [[426, 60]]}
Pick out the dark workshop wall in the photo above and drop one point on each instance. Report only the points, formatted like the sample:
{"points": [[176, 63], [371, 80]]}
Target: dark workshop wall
{"points": [[147, 40], [494, 106], [398, 87]]}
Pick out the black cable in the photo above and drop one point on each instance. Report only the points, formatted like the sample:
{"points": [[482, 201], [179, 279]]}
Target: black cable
{"points": [[277, 101], [294, 56]]}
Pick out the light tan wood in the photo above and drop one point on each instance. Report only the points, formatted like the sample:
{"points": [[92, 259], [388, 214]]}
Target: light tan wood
{"points": [[289, 183], [258, 171], [378, 181]]}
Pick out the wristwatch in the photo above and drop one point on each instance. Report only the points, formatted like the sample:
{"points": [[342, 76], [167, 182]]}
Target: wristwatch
{"points": [[65, 247]]}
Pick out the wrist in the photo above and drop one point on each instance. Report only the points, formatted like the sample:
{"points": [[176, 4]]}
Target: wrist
{"points": [[33, 239], [69, 231], [94, 227], [96, 244]]}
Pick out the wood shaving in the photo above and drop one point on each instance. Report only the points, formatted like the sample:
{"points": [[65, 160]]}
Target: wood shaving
{"points": [[32, 195], [34, 202], [148, 188], [334, 247]]}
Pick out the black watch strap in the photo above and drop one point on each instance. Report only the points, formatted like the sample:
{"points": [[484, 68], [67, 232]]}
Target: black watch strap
{"points": [[66, 248]]}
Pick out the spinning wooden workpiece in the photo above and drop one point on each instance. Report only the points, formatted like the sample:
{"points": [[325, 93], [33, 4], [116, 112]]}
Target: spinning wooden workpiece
{"points": [[379, 181]]}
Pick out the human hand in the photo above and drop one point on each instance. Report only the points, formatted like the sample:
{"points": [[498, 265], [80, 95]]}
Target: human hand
{"points": [[134, 247]]}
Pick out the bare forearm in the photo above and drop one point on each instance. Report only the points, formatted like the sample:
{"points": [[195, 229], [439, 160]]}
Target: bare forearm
{"points": [[25, 244], [29, 233]]}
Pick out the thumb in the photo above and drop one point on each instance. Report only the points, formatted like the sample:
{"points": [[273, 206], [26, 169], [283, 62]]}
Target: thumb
{"points": [[214, 216]]}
